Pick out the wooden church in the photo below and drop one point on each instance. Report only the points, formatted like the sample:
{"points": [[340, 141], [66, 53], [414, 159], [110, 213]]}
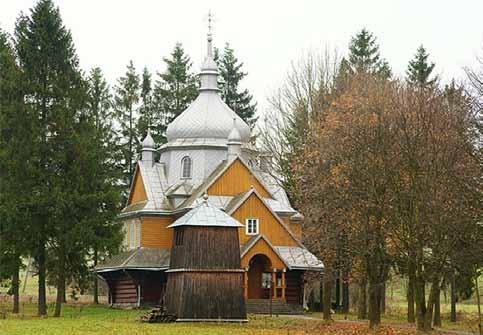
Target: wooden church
{"points": [[207, 228]]}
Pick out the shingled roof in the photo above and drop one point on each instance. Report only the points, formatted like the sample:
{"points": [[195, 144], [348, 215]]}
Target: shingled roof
{"points": [[139, 258]]}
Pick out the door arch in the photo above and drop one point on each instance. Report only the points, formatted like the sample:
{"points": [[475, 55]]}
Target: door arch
{"points": [[258, 265]]}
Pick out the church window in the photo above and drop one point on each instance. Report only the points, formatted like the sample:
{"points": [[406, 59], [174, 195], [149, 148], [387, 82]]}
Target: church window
{"points": [[186, 167], [179, 236], [252, 226]]}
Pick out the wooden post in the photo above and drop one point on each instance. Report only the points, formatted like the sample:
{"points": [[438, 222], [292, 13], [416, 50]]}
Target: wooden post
{"points": [[245, 284], [274, 281], [283, 284]]}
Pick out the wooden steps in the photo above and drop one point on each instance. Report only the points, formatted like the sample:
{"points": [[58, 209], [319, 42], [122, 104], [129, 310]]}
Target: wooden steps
{"points": [[262, 306]]}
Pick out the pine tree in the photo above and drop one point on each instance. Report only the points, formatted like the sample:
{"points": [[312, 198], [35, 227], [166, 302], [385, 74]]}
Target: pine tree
{"points": [[419, 69], [364, 55], [231, 75], [126, 104], [175, 89]]}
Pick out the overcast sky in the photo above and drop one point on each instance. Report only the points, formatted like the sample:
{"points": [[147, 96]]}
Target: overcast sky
{"points": [[266, 35]]}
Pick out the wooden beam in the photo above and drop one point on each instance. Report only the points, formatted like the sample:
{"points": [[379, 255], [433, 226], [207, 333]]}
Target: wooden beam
{"points": [[274, 283], [245, 284], [283, 284]]}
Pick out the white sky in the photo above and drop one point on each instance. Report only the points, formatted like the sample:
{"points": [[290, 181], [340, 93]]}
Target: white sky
{"points": [[266, 35]]}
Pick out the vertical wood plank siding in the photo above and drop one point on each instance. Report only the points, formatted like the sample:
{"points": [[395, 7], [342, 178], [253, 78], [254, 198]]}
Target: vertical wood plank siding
{"points": [[138, 193], [155, 234], [194, 293], [269, 226], [206, 248], [235, 180]]}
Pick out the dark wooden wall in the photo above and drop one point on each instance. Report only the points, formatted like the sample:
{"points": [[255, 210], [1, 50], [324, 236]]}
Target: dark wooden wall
{"points": [[205, 248], [205, 280], [206, 295], [294, 289], [123, 289]]}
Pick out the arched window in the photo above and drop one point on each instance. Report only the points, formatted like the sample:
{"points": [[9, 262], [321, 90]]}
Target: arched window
{"points": [[186, 167]]}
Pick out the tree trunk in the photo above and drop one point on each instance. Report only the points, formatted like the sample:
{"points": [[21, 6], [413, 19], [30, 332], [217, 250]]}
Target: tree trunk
{"points": [[420, 298], [410, 292], [383, 298], [453, 298], [321, 292], [430, 308], [437, 309], [374, 304], [60, 291], [337, 292], [362, 305], [95, 289], [15, 288], [42, 303], [345, 296], [328, 284]]}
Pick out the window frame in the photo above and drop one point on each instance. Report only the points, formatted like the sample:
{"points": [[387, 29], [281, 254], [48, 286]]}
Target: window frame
{"points": [[249, 224], [183, 163]]}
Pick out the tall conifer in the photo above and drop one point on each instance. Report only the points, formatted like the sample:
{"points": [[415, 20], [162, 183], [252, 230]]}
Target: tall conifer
{"points": [[364, 55], [126, 99], [420, 69], [175, 89], [231, 75]]}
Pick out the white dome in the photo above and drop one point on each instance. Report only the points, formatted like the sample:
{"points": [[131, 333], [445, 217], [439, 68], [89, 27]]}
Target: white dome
{"points": [[207, 117]]}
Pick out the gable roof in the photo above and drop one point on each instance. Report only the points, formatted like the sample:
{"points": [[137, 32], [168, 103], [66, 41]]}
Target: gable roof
{"points": [[205, 215], [253, 241], [215, 175], [238, 201]]}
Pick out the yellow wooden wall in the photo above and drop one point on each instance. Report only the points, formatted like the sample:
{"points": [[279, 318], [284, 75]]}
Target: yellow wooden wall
{"points": [[235, 180], [295, 228], [261, 247], [138, 193], [269, 226], [155, 234]]}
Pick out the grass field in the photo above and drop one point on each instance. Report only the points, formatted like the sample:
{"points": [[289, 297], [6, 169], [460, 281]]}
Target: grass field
{"points": [[93, 320], [81, 318]]}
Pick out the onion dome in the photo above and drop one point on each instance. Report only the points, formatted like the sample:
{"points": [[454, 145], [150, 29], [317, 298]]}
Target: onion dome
{"points": [[148, 141], [208, 117], [234, 136]]}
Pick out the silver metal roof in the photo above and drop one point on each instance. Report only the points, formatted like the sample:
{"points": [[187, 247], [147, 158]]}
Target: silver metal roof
{"points": [[208, 116], [204, 215], [298, 258]]}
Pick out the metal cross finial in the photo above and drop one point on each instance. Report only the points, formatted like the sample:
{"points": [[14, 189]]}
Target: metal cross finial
{"points": [[210, 18]]}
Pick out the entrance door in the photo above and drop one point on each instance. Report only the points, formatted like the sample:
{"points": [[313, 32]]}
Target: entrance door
{"points": [[259, 265]]}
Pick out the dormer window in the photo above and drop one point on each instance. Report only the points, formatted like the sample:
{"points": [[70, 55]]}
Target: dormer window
{"points": [[186, 167]]}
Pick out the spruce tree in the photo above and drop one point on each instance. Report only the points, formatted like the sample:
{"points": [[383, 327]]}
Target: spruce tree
{"points": [[364, 55], [14, 132], [175, 89], [231, 74], [53, 86], [102, 173], [146, 110], [126, 99], [65, 154], [420, 69]]}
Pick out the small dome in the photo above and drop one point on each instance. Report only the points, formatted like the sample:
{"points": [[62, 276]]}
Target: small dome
{"points": [[148, 141], [234, 136]]}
